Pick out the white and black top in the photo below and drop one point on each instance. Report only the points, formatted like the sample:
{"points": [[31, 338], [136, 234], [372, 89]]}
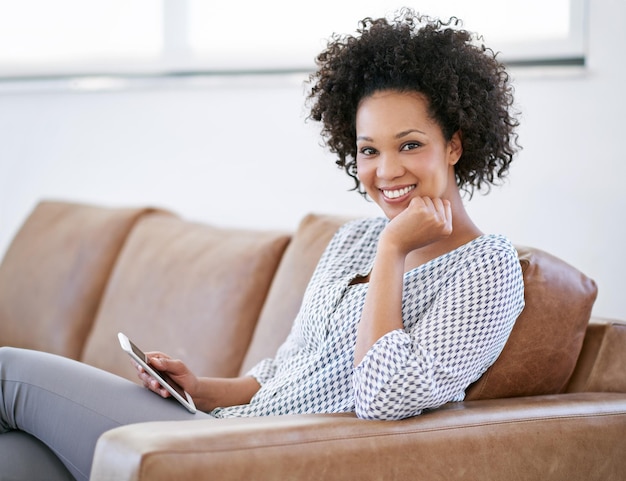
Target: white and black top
{"points": [[458, 312]]}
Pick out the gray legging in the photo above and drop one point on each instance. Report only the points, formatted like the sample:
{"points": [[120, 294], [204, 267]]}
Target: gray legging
{"points": [[54, 409]]}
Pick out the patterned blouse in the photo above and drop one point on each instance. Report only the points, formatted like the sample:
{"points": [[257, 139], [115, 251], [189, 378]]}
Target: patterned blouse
{"points": [[458, 312]]}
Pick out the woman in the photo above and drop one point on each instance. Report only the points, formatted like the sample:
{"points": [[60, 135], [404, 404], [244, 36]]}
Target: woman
{"points": [[402, 312]]}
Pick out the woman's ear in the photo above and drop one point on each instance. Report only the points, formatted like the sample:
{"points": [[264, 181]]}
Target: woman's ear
{"points": [[455, 148]]}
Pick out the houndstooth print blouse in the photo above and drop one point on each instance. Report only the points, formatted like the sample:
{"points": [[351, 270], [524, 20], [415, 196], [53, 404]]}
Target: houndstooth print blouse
{"points": [[458, 311]]}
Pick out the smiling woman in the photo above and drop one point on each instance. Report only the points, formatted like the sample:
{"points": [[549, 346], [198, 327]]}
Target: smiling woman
{"points": [[417, 111]]}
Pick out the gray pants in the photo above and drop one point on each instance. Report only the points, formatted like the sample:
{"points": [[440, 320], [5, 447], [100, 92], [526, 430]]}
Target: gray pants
{"points": [[53, 410]]}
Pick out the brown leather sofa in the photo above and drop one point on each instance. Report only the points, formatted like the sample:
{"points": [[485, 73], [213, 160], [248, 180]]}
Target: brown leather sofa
{"points": [[552, 407]]}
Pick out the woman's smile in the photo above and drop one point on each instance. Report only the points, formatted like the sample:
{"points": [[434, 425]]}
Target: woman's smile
{"points": [[397, 194]]}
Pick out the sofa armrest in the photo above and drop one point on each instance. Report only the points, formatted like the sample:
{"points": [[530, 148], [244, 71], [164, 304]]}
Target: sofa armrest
{"points": [[566, 436], [601, 366]]}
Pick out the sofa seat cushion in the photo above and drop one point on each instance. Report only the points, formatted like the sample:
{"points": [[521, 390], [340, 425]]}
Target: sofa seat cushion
{"points": [[190, 290], [54, 274]]}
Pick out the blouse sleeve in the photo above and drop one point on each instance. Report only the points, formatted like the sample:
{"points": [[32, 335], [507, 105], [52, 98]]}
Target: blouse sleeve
{"points": [[450, 346]]}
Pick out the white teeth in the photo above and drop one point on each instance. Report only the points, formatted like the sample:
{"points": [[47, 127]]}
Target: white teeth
{"points": [[394, 194]]}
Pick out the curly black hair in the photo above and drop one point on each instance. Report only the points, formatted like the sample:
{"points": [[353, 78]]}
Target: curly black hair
{"points": [[467, 88]]}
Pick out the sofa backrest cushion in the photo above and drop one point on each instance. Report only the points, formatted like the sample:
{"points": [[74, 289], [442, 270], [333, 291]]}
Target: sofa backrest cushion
{"points": [[54, 273], [190, 290], [541, 352]]}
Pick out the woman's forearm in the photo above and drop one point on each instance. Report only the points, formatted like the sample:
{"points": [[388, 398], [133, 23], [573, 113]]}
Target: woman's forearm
{"points": [[222, 392], [382, 311]]}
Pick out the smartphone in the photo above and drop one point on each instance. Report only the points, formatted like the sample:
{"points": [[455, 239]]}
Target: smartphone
{"points": [[163, 379]]}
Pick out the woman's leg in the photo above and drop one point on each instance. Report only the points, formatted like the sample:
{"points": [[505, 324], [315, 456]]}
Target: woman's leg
{"points": [[25, 458], [67, 405]]}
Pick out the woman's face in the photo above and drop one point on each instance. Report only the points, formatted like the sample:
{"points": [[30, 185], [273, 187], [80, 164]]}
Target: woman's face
{"points": [[402, 152]]}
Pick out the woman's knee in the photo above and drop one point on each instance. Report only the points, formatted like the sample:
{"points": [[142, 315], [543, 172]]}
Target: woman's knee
{"points": [[16, 363], [6, 352], [10, 356], [7, 356]]}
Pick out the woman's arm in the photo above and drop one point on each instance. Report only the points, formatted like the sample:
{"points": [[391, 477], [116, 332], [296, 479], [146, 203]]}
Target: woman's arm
{"points": [[382, 312], [424, 221], [206, 392], [222, 392]]}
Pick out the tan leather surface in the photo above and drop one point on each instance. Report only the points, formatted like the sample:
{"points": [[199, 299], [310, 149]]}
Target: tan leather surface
{"points": [[292, 277], [541, 352], [601, 365], [54, 272], [190, 290], [567, 437]]}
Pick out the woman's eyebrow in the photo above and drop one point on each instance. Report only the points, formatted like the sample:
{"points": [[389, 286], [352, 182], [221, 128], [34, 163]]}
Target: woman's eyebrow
{"points": [[407, 132], [399, 135]]}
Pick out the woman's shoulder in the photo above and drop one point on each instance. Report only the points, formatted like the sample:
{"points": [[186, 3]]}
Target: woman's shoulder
{"points": [[482, 252], [492, 242], [490, 251]]}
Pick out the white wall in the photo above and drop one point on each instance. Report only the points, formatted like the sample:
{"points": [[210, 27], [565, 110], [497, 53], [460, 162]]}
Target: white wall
{"points": [[237, 151]]}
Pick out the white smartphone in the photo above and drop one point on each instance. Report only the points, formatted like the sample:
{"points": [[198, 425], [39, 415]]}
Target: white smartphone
{"points": [[163, 379]]}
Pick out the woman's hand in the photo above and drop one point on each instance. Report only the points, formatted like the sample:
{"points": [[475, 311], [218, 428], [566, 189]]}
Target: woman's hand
{"points": [[423, 222], [174, 368]]}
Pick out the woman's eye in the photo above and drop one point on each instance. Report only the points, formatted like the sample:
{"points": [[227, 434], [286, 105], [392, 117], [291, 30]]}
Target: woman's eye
{"points": [[411, 145], [368, 151]]}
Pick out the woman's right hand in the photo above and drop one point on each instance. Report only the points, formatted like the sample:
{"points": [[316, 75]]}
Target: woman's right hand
{"points": [[176, 369]]}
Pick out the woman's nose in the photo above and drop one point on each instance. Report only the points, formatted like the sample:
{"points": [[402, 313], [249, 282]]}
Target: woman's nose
{"points": [[389, 167]]}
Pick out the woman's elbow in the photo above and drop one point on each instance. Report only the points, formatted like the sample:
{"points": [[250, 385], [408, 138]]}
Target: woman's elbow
{"points": [[381, 411]]}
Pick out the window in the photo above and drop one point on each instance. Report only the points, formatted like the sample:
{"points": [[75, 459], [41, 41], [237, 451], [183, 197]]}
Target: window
{"points": [[42, 37], [151, 37], [524, 31]]}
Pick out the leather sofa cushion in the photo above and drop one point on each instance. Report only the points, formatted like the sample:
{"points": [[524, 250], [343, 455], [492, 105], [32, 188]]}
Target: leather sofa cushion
{"points": [[190, 290], [55, 271], [541, 353]]}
